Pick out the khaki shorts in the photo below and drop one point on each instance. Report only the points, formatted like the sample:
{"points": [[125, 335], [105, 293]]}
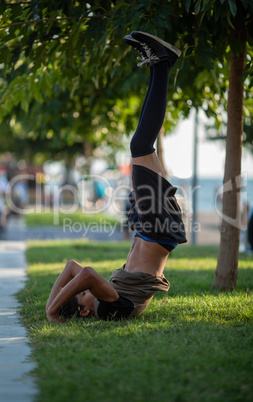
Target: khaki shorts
{"points": [[136, 289]]}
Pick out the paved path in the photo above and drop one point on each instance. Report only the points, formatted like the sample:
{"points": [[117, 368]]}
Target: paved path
{"points": [[15, 384], [207, 231], [17, 230]]}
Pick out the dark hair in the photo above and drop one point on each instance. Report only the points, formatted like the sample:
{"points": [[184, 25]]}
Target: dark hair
{"points": [[71, 309]]}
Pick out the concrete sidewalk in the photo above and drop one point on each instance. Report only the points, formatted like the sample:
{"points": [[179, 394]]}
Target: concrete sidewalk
{"points": [[15, 383], [207, 231]]}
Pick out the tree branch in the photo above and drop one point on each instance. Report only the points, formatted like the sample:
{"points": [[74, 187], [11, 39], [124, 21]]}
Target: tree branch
{"points": [[36, 41], [51, 19], [18, 3]]}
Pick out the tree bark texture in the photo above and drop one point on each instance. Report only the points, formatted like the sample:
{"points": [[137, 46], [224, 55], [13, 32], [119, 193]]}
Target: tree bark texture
{"points": [[160, 149], [227, 264]]}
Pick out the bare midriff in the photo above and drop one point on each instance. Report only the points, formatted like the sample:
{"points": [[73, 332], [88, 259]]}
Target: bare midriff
{"points": [[147, 257]]}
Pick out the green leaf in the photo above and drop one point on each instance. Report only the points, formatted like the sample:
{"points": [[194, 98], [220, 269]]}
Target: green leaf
{"points": [[229, 21], [232, 7], [187, 5], [5, 55], [16, 54], [37, 94], [75, 35], [207, 5], [45, 84], [78, 12], [25, 103], [39, 55], [197, 6], [140, 6], [30, 42]]}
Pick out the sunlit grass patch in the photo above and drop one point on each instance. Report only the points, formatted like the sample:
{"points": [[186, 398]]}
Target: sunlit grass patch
{"points": [[191, 344]]}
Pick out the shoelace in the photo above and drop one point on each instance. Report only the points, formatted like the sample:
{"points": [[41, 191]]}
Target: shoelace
{"points": [[150, 59]]}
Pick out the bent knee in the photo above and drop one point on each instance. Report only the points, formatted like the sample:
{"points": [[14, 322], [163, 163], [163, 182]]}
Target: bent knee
{"points": [[89, 270], [71, 263]]}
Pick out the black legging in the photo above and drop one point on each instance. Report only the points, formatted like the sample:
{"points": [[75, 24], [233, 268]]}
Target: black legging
{"points": [[152, 112]]}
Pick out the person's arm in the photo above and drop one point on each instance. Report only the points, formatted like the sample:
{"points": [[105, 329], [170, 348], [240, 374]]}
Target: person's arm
{"points": [[86, 279], [71, 269]]}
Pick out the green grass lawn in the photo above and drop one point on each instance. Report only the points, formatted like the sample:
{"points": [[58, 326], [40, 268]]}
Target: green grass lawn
{"points": [[58, 218], [189, 345]]}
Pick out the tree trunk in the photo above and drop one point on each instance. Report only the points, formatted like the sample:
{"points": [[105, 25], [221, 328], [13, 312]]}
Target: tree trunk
{"points": [[87, 150], [160, 149], [227, 264]]}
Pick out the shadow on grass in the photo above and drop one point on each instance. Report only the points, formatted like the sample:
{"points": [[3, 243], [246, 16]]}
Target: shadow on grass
{"points": [[199, 251], [199, 282]]}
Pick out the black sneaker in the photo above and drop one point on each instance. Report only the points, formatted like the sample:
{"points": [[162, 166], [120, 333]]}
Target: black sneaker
{"points": [[158, 49], [136, 44], [145, 52]]}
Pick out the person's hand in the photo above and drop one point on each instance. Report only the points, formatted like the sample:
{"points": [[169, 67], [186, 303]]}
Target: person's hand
{"points": [[54, 318]]}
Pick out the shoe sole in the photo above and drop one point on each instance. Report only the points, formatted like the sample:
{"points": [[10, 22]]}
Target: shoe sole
{"points": [[165, 44], [132, 42], [135, 44], [129, 39]]}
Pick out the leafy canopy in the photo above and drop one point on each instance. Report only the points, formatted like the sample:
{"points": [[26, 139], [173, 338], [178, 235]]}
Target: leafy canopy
{"points": [[67, 76]]}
